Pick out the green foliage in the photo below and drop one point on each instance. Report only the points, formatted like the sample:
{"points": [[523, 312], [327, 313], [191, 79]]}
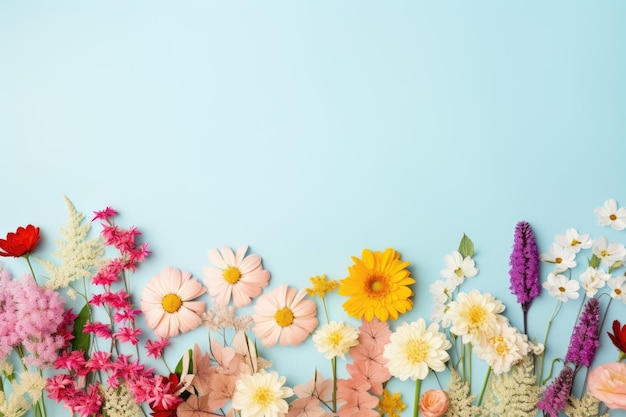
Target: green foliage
{"points": [[466, 247], [460, 398], [81, 340], [587, 406]]}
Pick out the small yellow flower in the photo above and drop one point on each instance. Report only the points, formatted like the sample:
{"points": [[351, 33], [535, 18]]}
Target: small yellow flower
{"points": [[391, 404], [321, 286]]}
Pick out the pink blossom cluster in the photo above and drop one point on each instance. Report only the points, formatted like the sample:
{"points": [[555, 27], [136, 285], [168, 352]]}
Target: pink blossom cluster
{"points": [[33, 319]]}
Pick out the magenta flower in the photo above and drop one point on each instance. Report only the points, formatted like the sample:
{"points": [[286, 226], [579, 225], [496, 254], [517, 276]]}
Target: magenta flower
{"points": [[524, 272], [155, 348], [585, 337], [555, 397]]}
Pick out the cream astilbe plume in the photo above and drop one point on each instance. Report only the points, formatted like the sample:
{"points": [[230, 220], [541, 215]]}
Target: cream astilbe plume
{"points": [[514, 393], [79, 256], [460, 398], [587, 406]]}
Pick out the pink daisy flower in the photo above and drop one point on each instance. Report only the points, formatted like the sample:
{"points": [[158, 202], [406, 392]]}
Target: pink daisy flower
{"points": [[167, 302], [283, 315], [235, 275]]}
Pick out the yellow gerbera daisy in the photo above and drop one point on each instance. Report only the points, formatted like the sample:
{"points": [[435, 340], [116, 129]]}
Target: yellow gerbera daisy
{"points": [[378, 286]]}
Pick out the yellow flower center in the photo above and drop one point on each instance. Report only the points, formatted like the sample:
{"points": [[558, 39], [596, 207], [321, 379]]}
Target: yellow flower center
{"points": [[458, 272], [263, 396], [575, 242], [500, 345], [416, 351], [232, 274], [604, 254], [334, 338], [477, 315], [562, 289], [171, 303], [376, 286], [613, 217], [558, 260], [284, 317], [618, 291]]}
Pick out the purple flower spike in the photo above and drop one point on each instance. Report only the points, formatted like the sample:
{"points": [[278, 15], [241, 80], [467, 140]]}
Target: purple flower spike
{"points": [[555, 398], [585, 337], [524, 270]]}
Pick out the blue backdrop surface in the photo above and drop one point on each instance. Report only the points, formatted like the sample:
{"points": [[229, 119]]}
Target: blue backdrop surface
{"points": [[313, 130]]}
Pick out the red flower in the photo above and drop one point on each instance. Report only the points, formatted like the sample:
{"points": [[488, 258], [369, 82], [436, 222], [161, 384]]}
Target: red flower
{"points": [[20, 243], [618, 337]]}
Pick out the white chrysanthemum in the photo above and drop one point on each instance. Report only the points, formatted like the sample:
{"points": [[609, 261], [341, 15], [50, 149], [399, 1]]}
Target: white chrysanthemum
{"points": [[574, 240], [592, 280], [563, 258], [120, 402], [458, 267], [561, 287], [503, 350], [618, 288], [335, 339], [261, 395], [475, 316], [610, 215], [31, 383], [414, 349], [442, 289], [609, 253]]}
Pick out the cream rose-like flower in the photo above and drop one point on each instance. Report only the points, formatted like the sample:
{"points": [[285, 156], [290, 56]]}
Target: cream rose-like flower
{"points": [[607, 383], [475, 316], [503, 349], [414, 349], [434, 403], [261, 395], [335, 339]]}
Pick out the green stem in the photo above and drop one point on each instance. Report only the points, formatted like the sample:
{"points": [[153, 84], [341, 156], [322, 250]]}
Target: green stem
{"points": [[469, 365], [545, 340], [30, 266], [416, 400], [482, 392], [334, 366]]}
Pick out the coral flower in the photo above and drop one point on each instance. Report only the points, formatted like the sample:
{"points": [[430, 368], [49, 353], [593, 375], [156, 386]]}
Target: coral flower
{"points": [[378, 286], [20, 243], [166, 301], [235, 275], [282, 314]]}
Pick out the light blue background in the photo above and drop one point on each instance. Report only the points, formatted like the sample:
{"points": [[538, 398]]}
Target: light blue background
{"points": [[311, 130]]}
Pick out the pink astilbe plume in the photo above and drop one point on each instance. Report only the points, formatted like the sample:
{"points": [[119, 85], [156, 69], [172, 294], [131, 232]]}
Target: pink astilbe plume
{"points": [[8, 311]]}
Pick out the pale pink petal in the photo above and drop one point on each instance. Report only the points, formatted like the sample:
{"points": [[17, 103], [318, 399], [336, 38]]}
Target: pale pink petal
{"points": [[190, 289], [250, 264], [216, 259], [240, 255], [229, 256]]}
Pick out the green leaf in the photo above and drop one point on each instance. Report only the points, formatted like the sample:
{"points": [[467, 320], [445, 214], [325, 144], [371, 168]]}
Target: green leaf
{"points": [[81, 340], [594, 262], [466, 247], [179, 366]]}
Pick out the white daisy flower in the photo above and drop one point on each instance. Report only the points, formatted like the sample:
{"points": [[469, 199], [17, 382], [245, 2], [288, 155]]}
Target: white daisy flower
{"points": [[261, 395], [475, 316], [442, 290], [610, 215], [504, 349], [563, 258], [573, 240], [415, 349], [439, 314], [561, 287], [609, 253], [618, 288], [335, 339], [592, 280], [458, 267]]}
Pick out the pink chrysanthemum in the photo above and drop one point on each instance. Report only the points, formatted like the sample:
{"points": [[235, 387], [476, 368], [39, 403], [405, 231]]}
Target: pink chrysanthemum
{"points": [[282, 314], [235, 275], [167, 302]]}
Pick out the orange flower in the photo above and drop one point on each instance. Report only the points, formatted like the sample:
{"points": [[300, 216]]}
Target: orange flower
{"points": [[607, 383], [434, 403], [20, 243]]}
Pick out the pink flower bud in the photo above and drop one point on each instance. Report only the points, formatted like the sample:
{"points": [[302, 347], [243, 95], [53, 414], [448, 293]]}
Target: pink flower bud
{"points": [[434, 403]]}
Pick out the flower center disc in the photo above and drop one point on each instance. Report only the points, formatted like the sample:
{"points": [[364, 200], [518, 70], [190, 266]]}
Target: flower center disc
{"points": [[232, 274], [284, 317], [416, 351], [263, 396], [376, 286], [171, 303], [476, 316], [613, 217]]}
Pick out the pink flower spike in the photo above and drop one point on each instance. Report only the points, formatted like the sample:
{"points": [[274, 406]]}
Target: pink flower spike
{"points": [[155, 348], [104, 214], [128, 334]]}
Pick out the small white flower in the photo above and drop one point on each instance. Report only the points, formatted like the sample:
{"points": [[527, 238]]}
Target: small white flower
{"points": [[561, 288], [573, 240], [618, 288], [610, 215], [261, 395], [458, 268], [609, 253], [439, 314], [563, 258], [442, 290], [503, 349], [537, 348], [592, 280], [414, 349], [335, 339]]}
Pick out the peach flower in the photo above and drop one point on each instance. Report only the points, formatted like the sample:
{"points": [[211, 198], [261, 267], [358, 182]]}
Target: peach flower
{"points": [[434, 403], [607, 383]]}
